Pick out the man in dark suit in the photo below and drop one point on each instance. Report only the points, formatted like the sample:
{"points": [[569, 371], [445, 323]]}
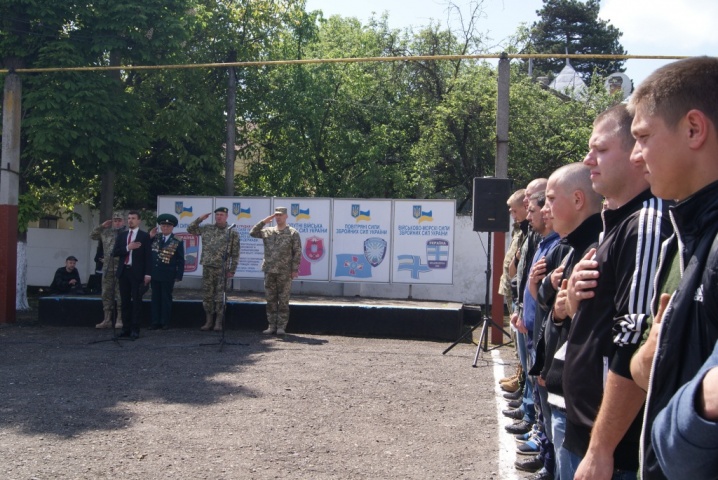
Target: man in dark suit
{"points": [[134, 250], [167, 267]]}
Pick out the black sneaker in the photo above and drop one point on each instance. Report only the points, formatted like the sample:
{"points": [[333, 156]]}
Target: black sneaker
{"points": [[531, 464], [515, 403], [515, 413], [519, 427], [514, 395]]}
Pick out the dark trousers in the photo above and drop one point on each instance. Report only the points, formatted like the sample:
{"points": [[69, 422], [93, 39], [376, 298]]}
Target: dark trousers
{"points": [[131, 291], [162, 302]]}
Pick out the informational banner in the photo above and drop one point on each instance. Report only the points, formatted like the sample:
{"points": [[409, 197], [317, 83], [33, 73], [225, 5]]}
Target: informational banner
{"points": [[423, 246], [187, 209], [246, 212], [312, 218], [361, 238]]}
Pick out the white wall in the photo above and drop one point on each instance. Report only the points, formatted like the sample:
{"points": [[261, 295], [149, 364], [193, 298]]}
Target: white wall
{"points": [[48, 248]]}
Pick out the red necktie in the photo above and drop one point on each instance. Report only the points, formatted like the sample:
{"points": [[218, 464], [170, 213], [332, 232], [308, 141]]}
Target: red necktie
{"points": [[129, 252]]}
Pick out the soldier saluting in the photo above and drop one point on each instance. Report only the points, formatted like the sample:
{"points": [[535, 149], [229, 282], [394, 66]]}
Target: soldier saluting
{"points": [[218, 243], [282, 255]]}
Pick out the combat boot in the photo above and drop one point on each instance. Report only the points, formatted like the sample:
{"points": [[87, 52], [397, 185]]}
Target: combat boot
{"points": [[511, 377], [208, 324], [218, 323], [510, 386], [118, 320], [272, 329], [107, 322]]}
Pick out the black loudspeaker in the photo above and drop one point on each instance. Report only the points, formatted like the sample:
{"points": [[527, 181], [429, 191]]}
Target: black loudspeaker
{"points": [[490, 212]]}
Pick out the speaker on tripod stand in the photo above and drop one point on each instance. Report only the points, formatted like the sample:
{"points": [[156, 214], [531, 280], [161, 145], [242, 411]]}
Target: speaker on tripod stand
{"points": [[490, 214]]}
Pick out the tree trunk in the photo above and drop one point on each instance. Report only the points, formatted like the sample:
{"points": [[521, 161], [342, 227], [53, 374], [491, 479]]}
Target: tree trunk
{"points": [[107, 179]]}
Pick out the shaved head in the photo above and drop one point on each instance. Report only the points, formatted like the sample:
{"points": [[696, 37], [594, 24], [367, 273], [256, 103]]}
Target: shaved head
{"points": [[570, 198]]}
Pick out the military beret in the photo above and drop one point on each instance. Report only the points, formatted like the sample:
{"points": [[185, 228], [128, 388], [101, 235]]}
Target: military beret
{"points": [[167, 219], [280, 210], [221, 209], [117, 214]]}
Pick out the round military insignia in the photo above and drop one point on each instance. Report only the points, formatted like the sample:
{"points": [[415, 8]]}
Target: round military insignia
{"points": [[314, 249], [374, 250]]}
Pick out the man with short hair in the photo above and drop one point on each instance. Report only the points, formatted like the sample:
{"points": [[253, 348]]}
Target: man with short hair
{"points": [[602, 401], [133, 272], [67, 278], [282, 256], [107, 233], [676, 129], [524, 257], [574, 208], [220, 253], [518, 212]]}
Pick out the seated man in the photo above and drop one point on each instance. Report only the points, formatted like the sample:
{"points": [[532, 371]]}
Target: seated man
{"points": [[67, 278]]}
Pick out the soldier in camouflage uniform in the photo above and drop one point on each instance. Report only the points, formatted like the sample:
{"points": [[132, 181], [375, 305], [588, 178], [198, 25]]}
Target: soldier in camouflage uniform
{"points": [[217, 241], [282, 255], [107, 233]]}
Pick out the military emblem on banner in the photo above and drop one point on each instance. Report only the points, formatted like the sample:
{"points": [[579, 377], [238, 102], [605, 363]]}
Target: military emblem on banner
{"points": [[416, 211], [236, 208], [191, 250], [374, 250], [294, 210], [178, 207], [355, 210], [437, 253], [314, 249]]}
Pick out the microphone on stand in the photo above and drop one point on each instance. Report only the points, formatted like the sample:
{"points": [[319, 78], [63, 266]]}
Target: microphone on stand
{"points": [[232, 226]]}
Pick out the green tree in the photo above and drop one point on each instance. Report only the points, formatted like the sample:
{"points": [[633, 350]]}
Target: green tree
{"points": [[573, 26]]}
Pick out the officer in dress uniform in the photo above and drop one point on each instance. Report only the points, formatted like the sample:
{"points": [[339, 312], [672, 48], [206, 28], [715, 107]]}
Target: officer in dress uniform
{"points": [[167, 268]]}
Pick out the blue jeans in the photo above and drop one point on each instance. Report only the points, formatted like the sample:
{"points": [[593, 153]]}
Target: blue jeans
{"points": [[528, 401], [563, 461]]}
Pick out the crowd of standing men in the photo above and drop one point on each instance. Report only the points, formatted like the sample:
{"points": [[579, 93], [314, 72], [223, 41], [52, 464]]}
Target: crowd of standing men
{"points": [[613, 264]]}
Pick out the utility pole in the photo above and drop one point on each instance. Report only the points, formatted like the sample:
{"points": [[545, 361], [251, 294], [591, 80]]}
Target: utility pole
{"points": [[9, 195], [501, 170]]}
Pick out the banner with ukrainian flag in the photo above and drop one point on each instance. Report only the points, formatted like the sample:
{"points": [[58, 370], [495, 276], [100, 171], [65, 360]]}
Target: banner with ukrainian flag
{"points": [[361, 235], [312, 218], [423, 246]]}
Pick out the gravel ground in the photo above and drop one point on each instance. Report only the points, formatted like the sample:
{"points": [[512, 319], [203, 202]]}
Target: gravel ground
{"points": [[305, 407]]}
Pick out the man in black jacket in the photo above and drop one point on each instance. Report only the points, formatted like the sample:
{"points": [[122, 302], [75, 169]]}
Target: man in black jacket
{"points": [[574, 210], [609, 310], [675, 125], [133, 248]]}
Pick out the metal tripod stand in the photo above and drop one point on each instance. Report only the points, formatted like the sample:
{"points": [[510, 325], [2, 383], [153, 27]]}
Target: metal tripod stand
{"points": [[486, 314]]}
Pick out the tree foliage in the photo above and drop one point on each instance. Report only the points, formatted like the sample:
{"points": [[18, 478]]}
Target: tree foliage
{"points": [[573, 26], [419, 129]]}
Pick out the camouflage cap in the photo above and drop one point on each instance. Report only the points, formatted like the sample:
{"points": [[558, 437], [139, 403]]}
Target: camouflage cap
{"points": [[280, 210], [167, 219], [117, 214]]}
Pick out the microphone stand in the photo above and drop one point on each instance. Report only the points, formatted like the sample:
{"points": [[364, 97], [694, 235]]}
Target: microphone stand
{"points": [[222, 342]]}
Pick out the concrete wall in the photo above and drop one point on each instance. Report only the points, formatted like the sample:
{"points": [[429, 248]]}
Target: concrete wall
{"points": [[48, 248]]}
